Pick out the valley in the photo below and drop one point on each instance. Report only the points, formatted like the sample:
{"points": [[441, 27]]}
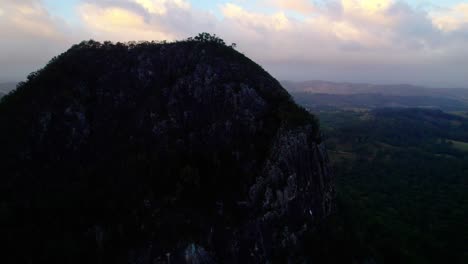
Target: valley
{"points": [[401, 176]]}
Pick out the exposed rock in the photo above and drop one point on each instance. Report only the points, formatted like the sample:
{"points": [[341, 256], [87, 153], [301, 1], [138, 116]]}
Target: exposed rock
{"points": [[159, 153]]}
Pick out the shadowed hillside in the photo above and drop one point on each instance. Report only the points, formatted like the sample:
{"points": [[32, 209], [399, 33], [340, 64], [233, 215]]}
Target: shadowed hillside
{"points": [[183, 152]]}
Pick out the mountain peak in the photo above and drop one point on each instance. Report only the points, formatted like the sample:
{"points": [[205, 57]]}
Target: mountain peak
{"points": [[160, 151]]}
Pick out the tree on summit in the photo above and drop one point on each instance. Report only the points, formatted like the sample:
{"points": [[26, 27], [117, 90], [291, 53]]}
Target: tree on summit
{"points": [[207, 37]]}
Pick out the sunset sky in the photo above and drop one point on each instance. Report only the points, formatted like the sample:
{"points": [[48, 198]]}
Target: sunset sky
{"points": [[381, 41]]}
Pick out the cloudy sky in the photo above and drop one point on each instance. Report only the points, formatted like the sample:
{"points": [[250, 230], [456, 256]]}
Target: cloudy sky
{"points": [[422, 42]]}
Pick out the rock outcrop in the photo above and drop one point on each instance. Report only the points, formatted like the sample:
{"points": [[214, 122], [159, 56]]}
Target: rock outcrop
{"points": [[186, 152]]}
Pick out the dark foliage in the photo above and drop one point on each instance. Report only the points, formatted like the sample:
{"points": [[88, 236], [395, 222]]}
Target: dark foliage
{"points": [[401, 186]]}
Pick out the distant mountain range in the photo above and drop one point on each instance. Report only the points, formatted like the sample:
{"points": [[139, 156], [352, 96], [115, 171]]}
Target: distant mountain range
{"points": [[315, 94], [325, 87]]}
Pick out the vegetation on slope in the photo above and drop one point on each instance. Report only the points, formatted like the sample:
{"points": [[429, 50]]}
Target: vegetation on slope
{"points": [[401, 184], [138, 143]]}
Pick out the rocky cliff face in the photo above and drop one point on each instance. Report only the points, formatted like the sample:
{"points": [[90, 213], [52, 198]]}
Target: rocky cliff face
{"points": [[158, 153]]}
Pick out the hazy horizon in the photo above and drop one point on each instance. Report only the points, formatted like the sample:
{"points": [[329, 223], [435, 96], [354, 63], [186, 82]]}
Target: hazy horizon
{"points": [[389, 83]]}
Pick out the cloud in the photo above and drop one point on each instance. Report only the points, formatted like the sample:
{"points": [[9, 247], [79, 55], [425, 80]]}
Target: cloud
{"points": [[30, 37], [304, 7], [351, 40], [160, 6], [127, 20], [118, 24], [451, 19], [354, 40], [28, 17], [238, 15]]}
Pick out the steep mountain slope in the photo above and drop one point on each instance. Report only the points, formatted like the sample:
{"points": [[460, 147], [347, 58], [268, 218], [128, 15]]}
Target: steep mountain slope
{"points": [[185, 152]]}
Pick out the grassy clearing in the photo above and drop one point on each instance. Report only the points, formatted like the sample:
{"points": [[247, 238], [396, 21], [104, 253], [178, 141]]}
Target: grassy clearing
{"points": [[460, 145]]}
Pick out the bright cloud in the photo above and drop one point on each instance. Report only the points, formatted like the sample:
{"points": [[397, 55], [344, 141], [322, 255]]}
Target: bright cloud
{"points": [[238, 15], [368, 11], [160, 6], [366, 6], [29, 17], [142, 19], [117, 24], [451, 19], [304, 7]]}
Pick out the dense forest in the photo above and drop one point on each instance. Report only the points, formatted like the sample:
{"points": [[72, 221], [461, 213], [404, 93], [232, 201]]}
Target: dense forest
{"points": [[402, 181]]}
